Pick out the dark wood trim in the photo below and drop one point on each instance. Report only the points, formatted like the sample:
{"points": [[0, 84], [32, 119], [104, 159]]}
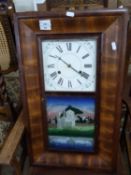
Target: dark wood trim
{"points": [[34, 170], [120, 86], [97, 12], [22, 91]]}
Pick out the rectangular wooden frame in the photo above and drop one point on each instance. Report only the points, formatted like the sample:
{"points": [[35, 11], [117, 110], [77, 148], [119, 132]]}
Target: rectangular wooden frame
{"points": [[95, 94], [112, 24]]}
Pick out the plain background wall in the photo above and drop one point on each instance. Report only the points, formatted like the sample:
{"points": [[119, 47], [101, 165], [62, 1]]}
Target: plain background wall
{"points": [[24, 5]]}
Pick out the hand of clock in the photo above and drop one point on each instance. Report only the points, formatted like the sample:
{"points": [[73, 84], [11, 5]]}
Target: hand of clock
{"points": [[68, 65], [83, 74]]}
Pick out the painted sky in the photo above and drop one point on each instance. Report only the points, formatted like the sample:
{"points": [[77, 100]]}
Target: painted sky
{"points": [[55, 104]]}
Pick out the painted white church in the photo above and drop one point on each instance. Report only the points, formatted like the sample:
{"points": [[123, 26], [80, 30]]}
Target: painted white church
{"points": [[68, 120]]}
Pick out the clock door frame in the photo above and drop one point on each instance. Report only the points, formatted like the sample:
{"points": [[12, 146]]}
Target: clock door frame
{"points": [[112, 24], [95, 95]]}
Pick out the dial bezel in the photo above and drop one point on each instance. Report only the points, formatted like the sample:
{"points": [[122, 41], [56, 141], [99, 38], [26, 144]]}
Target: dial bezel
{"points": [[96, 37]]}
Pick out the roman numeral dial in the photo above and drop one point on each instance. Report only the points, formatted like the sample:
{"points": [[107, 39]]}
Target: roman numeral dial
{"points": [[69, 65]]}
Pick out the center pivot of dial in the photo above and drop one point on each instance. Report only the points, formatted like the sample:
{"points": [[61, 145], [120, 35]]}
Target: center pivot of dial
{"points": [[69, 65]]}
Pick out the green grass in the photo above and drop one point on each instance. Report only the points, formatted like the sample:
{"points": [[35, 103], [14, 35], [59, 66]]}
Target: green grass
{"points": [[84, 131]]}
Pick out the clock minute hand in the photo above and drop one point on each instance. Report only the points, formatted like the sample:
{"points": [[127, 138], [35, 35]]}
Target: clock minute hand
{"points": [[83, 74], [74, 69], [68, 65]]}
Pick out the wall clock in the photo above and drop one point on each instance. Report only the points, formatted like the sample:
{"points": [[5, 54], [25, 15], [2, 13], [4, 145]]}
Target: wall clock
{"points": [[69, 68]]}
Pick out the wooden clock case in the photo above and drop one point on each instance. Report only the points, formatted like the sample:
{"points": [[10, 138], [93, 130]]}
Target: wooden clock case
{"points": [[112, 27]]}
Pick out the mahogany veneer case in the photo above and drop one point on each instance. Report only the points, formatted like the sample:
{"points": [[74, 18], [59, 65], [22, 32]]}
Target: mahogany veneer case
{"points": [[110, 26]]}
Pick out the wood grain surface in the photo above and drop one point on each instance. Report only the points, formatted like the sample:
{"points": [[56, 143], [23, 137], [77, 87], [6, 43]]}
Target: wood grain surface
{"points": [[112, 25]]}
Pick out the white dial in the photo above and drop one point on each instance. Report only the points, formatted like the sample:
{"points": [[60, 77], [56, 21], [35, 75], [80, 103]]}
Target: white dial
{"points": [[69, 65]]}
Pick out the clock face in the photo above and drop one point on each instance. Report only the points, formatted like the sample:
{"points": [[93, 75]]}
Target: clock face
{"points": [[69, 64]]}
